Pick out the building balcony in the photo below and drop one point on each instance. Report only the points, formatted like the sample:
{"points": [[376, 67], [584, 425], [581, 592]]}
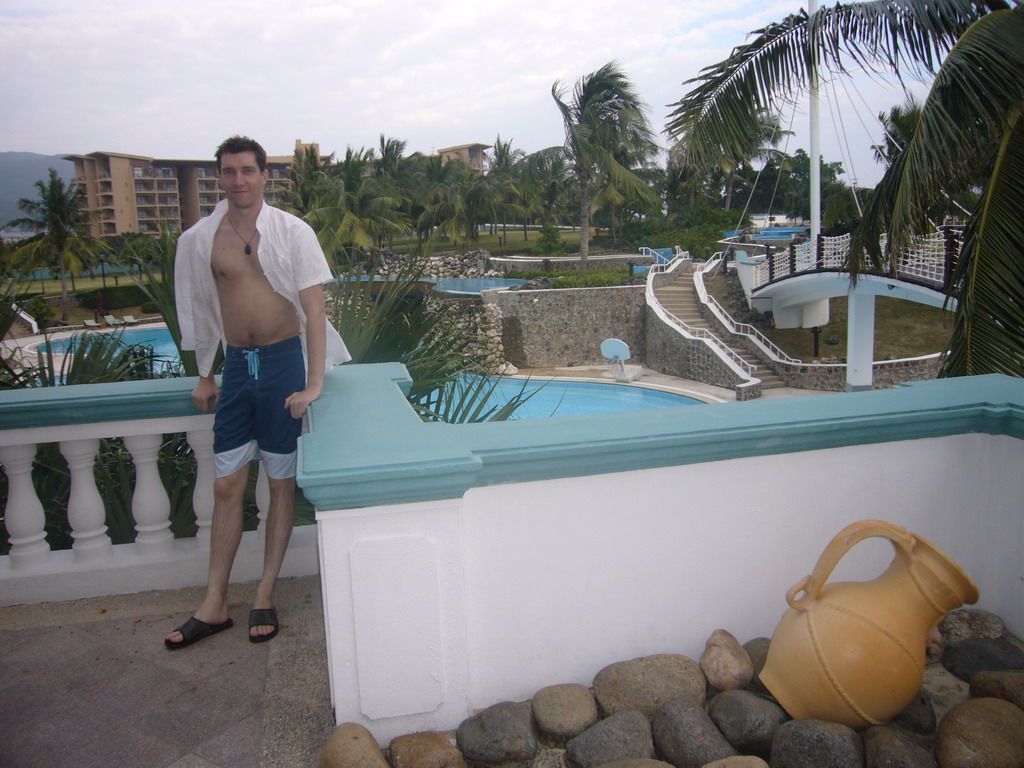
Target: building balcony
{"points": [[570, 520]]}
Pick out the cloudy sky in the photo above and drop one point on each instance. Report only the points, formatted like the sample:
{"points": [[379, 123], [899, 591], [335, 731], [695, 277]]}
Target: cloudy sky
{"points": [[172, 79]]}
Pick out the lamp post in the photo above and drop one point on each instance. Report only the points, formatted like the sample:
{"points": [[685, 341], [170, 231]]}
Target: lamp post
{"points": [[707, 253], [816, 332]]}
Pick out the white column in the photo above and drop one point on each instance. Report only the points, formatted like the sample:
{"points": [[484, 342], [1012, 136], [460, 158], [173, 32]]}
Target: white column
{"points": [[151, 507], [23, 515], [201, 442], [85, 505], [860, 340]]}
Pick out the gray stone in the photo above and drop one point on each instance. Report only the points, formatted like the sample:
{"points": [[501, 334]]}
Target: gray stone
{"points": [[815, 744], [747, 719], [919, 715], [982, 654], [960, 625], [646, 683], [686, 736], [981, 733], [502, 733], [563, 712], [725, 663], [626, 735], [1008, 686], [886, 747], [757, 649], [352, 746], [741, 761], [638, 763], [424, 750]]}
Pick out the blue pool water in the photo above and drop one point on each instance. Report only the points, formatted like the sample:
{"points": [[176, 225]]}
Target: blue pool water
{"points": [[571, 398], [157, 337], [552, 398]]}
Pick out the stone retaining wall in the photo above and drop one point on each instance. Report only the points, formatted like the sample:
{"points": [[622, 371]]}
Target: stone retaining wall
{"points": [[565, 327], [672, 353], [562, 263]]}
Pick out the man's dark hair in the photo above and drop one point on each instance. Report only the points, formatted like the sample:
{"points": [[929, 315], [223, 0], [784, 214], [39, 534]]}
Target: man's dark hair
{"points": [[237, 144]]}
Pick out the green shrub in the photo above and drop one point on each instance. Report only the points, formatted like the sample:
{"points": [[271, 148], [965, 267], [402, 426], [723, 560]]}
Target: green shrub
{"points": [[549, 243], [149, 308]]}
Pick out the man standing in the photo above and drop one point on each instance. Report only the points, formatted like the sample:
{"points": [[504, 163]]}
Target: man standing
{"points": [[250, 277]]}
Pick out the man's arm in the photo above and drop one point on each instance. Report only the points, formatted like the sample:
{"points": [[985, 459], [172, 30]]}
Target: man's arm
{"points": [[206, 393], [312, 301]]}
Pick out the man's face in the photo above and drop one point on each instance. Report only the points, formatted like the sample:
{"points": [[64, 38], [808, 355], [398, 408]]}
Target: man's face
{"points": [[241, 177]]}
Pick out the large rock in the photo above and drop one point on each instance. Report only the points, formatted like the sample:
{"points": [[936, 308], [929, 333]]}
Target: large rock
{"points": [[502, 733], [687, 737], [981, 733], [1000, 685], [424, 750], [352, 746], [757, 649], [741, 761], [966, 623], [747, 719], [886, 747], [626, 735], [645, 684], [982, 654], [563, 712], [725, 662], [919, 715], [637, 763], [816, 743]]}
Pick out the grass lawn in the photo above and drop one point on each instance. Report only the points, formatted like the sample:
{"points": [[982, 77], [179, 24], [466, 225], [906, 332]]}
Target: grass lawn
{"points": [[511, 242], [902, 328]]}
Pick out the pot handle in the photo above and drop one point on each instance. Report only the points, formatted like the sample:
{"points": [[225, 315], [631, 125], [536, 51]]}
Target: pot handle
{"points": [[844, 541]]}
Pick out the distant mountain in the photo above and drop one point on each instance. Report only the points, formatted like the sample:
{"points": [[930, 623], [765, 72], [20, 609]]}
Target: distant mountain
{"points": [[19, 171]]}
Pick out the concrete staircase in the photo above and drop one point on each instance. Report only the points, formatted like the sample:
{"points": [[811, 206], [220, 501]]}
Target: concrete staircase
{"points": [[680, 299]]}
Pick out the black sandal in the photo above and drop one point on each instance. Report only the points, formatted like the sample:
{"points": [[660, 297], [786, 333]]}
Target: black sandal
{"points": [[263, 617], [194, 630]]}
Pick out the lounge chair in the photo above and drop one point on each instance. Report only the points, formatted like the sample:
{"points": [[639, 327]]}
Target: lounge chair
{"points": [[90, 324], [130, 319], [111, 320]]}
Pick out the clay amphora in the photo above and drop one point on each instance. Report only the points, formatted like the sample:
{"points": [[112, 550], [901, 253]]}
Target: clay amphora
{"points": [[854, 652]]}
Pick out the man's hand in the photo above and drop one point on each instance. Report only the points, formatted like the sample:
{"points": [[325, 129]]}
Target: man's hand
{"points": [[206, 394], [298, 403]]}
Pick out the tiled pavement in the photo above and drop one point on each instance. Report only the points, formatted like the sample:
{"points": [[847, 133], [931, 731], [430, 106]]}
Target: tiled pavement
{"points": [[89, 683]]}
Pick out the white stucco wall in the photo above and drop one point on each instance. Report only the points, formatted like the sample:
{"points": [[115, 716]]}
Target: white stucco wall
{"points": [[547, 582]]}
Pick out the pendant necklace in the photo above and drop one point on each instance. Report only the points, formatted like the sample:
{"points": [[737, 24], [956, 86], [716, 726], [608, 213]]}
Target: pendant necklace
{"points": [[248, 248]]}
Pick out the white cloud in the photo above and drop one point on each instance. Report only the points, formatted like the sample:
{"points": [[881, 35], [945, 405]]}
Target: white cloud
{"points": [[173, 79]]}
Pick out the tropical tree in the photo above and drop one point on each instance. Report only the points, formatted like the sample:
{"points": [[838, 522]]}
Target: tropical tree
{"points": [[970, 121], [505, 162], [603, 116], [59, 213]]}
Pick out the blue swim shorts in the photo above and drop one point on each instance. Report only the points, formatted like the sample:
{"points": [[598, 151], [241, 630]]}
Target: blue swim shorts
{"points": [[252, 423]]}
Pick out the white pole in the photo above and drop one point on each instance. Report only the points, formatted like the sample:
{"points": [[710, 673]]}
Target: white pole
{"points": [[815, 135]]}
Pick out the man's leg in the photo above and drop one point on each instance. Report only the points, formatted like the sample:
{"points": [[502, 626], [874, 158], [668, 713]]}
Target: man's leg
{"points": [[280, 519], [225, 535]]}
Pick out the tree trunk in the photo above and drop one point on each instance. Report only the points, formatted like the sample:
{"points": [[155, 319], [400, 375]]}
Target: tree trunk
{"points": [[728, 190], [584, 225], [65, 314]]}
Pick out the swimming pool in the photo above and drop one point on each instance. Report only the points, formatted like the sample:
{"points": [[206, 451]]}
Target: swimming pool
{"points": [[157, 337], [556, 397]]}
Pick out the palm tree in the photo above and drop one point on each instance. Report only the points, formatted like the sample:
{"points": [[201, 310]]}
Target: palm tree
{"points": [[60, 215], [970, 121], [504, 165], [603, 115]]}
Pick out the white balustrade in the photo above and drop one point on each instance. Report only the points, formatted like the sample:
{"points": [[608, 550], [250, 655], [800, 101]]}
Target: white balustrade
{"points": [[201, 442], [86, 513], [151, 506], [23, 515]]}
